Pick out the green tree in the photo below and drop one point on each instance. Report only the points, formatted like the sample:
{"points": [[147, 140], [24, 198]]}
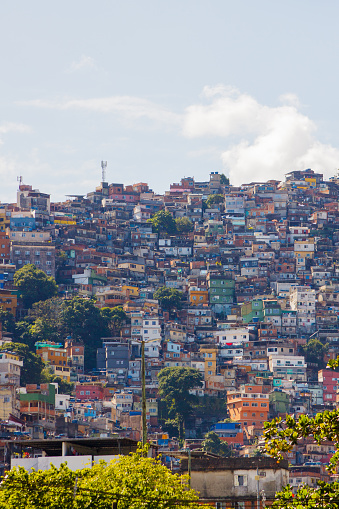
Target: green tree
{"points": [[22, 334], [174, 389], [281, 436], [60, 263], [214, 199], [32, 363], [139, 482], [34, 285], [134, 482], [169, 298], [83, 320], [224, 181], [163, 222], [40, 489], [47, 376], [47, 321], [314, 352], [184, 225], [115, 318], [214, 445], [7, 321]]}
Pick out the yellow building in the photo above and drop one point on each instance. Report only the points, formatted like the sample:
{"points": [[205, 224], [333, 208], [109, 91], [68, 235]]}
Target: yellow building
{"points": [[5, 219], [130, 291], [55, 356], [63, 372], [303, 250], [312, 182], [132, 266], [210, 355], [197, 296], [9, 401]]}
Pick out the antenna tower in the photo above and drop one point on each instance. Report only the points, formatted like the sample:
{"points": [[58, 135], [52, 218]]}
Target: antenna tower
{"points": [[103, 168], [20, 180]]}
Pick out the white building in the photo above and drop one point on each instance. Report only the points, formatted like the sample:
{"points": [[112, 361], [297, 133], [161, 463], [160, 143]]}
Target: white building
{"points": [[288, 366], [302, 300], [10, 368], [123, 400], [233, 335]]}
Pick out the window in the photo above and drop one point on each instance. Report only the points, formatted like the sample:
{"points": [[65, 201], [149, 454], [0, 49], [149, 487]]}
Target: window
{"points": [[240, 480]]}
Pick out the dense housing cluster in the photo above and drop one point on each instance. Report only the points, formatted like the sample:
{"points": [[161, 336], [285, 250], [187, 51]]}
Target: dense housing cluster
{"points": [[238, 283]]}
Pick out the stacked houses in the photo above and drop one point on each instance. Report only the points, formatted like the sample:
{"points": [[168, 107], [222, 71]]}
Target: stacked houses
{"points": [[258, 275]]}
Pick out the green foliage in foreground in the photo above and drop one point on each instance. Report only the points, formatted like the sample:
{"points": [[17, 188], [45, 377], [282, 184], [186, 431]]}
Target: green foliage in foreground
{"points": [[280, 438], [325, 496], [134, 482]]}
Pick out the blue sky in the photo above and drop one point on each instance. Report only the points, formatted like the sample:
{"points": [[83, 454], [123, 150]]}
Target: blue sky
{"points": [[163, 90]]}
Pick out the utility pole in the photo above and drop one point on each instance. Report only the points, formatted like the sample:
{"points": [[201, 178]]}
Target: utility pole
{"points": [[258, 493], [143, 382]]}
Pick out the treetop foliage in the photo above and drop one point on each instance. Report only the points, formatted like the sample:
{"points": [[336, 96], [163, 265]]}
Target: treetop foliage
{"points": [[34, 285], [213, 199], [213, 444], [163, 222], [184, 225], [168, 298], [175, 385], [133, 481], [281, 436]]}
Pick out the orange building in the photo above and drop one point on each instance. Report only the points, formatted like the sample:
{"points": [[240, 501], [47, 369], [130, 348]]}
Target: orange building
{"points": [[9, 300], [248, 405], [197, 296], [55, 356], [5, 247]]}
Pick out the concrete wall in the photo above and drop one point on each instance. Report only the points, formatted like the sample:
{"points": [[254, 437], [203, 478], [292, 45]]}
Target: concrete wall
{"points": [[73, 462], [221, 483]]}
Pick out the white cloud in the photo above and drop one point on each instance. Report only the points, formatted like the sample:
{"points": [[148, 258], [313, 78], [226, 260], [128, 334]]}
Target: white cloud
{"points": [[255, 142], [269, 141], [85, 62], [10, 127], [129, 108]]}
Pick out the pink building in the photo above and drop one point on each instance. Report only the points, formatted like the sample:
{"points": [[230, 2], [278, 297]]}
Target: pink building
{"points": [[329, 379]]}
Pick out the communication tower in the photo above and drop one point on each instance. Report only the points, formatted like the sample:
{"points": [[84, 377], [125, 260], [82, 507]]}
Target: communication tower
{"points": [[103, 168]]}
